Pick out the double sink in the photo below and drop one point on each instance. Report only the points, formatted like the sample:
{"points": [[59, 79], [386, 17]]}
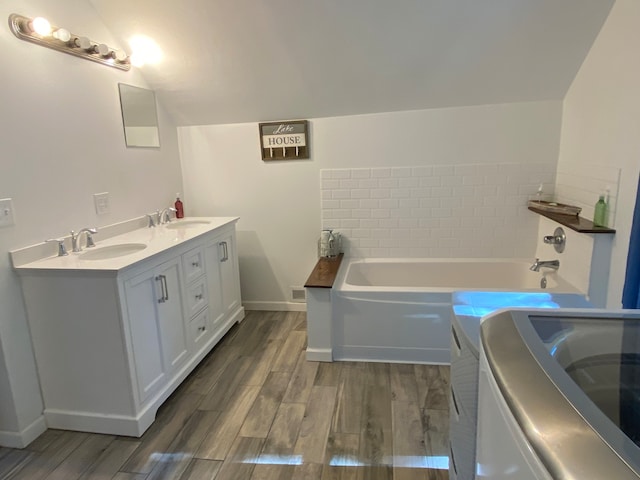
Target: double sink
{"points": [[118, 246]]}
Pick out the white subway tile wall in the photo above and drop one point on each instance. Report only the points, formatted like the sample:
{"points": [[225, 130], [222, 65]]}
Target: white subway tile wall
{"points": [[438, 211], [581, 185]]}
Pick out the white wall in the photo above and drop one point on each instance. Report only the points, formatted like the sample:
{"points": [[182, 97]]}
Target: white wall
{"points": [[61, 140], [601, 122], [279, 202]]}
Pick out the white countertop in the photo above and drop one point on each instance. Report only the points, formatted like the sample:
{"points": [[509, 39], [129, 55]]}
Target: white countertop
{"points": [[157, 240]]}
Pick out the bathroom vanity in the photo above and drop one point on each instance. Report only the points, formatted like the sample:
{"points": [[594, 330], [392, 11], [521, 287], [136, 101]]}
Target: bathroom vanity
{"points": [[117, 328]]}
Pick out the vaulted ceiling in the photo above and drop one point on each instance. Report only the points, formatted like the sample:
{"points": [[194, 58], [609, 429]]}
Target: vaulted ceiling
{"points": [[228, 61]]}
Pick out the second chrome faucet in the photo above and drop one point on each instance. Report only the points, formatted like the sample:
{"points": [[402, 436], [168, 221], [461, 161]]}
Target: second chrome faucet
{"points": [[165, 215], [75, 238], [160, 216]]}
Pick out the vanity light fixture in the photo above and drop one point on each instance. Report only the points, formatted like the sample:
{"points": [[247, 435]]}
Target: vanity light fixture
{"points": [[39, 30]]}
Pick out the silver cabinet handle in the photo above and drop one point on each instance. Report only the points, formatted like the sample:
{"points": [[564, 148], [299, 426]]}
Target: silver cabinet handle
{"points": [[199, 296], [165, 288], [159, 279], [202, 329], [225, 255], [195, 264]]}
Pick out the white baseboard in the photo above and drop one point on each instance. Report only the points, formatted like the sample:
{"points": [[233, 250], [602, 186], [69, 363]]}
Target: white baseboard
{"points": [[276, 306], [25, 437], [319, 355], [99, 423], [359, 353]]}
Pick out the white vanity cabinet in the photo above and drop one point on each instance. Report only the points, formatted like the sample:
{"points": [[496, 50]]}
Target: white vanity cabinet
{"points": [[112, 344], [154, 306]]}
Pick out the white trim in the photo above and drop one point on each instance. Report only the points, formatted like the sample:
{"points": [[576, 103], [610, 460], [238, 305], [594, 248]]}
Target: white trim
{"points": [[319, 355], [25, 437], [100, 423], [276, 306], [357, 353]]}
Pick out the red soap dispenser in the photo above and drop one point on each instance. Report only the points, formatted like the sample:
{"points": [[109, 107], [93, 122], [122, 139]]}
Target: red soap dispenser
{"points": [[179, 207]]}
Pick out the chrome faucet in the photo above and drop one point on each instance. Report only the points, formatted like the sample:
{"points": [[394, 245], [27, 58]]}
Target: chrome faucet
{"points": [[153, 219], [165, 215], [538, 264], [62, 251], [75, 239]]}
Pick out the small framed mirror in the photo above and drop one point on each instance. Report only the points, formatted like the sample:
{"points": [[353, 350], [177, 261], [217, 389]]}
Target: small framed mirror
{"points": [[139, 116]]}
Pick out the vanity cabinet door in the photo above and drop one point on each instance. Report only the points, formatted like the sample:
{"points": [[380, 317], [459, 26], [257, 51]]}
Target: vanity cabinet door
{"points": [[154, 310], [214, 283], [142, 312], [223, 277], [170, 315], [229, 275]]}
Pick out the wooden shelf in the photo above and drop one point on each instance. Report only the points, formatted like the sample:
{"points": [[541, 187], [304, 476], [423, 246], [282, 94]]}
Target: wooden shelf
{"points": [[573, 222], [324, 273]]}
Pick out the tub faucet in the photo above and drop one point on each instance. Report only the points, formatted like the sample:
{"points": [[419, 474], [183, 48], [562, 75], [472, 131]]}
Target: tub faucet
{"points": [[538, 264], [75, 239]]}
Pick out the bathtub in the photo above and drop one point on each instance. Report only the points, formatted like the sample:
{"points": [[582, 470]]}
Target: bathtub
{"points": [[399, 310]]}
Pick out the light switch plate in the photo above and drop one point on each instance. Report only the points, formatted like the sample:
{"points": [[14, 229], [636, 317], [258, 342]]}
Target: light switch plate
{"points": [[101, 202], [7, 216]]}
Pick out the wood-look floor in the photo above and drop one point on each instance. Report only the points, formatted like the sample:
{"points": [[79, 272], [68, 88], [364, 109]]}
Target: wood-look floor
{"points": [[256, 409]]}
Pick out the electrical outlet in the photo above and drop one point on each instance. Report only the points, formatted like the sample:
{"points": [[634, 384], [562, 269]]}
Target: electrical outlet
{"points": [[7, 216], [101, 202]]}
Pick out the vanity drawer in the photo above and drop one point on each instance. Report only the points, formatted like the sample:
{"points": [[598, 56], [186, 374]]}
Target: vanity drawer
{"points": [[197, 296], [193, 264], [200, 328]]}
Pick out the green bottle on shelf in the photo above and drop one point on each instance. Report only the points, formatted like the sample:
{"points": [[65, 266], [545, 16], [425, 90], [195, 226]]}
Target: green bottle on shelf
{"points": [[600, 213]]}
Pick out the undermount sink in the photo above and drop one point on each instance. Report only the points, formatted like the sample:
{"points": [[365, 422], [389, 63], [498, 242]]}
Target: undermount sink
{"points": [[186, 224], [112, 251]]}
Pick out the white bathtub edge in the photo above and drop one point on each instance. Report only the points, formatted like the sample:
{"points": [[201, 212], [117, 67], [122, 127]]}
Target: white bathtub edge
{"points": [[343, 286]]}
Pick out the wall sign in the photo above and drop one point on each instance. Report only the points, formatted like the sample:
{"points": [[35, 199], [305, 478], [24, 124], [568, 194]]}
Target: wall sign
{"points": [[284, 140]]}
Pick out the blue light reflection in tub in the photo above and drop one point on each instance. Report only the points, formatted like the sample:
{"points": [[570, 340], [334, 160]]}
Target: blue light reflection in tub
{"points": [[479, 304]]}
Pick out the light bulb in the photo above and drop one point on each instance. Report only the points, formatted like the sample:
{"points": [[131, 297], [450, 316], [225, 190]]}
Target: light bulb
{"points": [[84, 43], [41, 26], [62, 34], [102, 50], [145, 50], [119, 55]]}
